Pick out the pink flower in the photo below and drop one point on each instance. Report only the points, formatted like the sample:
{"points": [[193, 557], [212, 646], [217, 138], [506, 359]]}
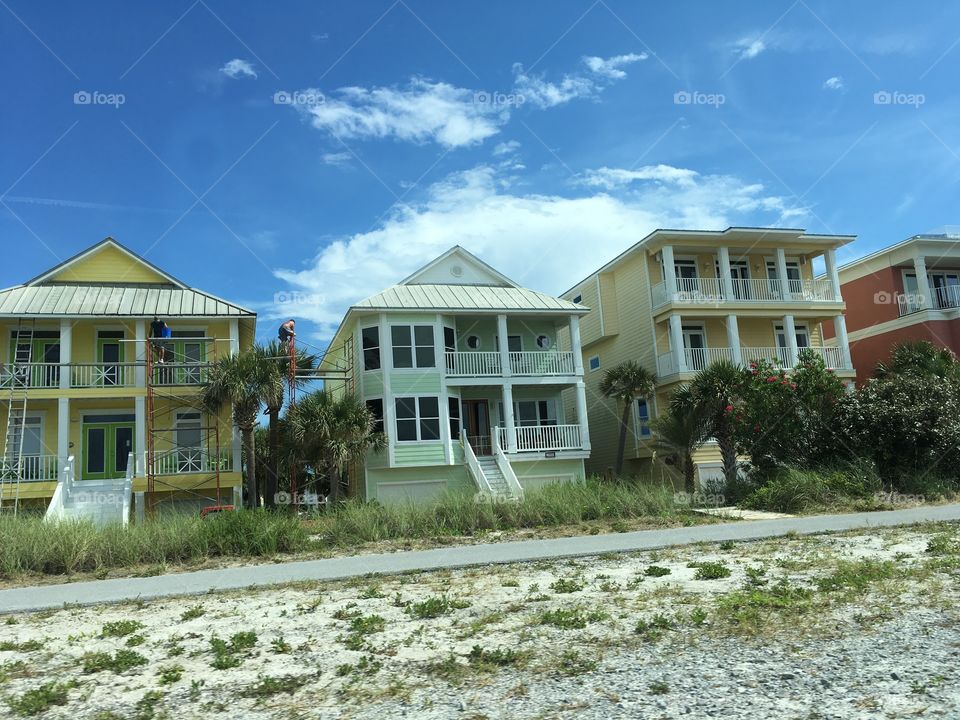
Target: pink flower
{"points": [[729, 408], [772, 378]]}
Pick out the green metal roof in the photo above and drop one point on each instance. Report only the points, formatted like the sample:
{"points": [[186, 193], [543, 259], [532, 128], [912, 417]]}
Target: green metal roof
{"points": [[467, 298]]}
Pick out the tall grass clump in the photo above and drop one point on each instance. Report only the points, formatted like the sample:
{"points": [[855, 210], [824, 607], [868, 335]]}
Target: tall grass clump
{"points": [[793, 490], [31, 545]]}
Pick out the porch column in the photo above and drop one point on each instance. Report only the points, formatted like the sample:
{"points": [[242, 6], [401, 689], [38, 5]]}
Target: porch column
{"points": [[66, 353], [508, 421], [582, 415], [140, 413], [234, 336], [790, 330], [830, 259], [504, 343], [63, 432], [140, 354], [733, 340], [575, 346], [676, 343], [726, 277], [923, 282], [389, 402], [669, 270], [782, 275], [840, 330]]}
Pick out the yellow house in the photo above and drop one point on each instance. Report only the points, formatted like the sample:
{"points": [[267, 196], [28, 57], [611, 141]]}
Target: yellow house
{"points": [[96, 419], [681, 299]]}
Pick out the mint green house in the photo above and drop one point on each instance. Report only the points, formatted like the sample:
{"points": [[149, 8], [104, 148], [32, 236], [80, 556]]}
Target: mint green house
{"points": [[463, 369]]}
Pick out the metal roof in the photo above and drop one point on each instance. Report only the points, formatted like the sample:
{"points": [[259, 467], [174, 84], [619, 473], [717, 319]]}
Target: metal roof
{"points": [[100, 299], [466, 298]]}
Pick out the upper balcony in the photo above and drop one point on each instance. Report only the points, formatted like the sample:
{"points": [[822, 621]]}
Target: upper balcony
{"points": [[523, 364], [73, 376], [710, 291]]}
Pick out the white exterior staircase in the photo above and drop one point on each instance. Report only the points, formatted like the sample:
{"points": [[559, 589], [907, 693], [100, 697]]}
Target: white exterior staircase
{"points": [[100, 501], [492, 474]]}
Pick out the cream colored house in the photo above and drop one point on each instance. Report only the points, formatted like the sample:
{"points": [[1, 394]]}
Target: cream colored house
{"points": [[681, 299]]}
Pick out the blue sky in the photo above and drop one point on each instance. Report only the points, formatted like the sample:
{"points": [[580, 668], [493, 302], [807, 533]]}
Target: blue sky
{"points": [[299, 156]]}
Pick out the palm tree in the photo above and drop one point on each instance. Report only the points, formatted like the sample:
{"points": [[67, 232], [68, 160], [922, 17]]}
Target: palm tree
{"points": [[625, 383], [714, 392], [332, 432], [682, 430], [246, 382], [920, 358], [276, 353]]}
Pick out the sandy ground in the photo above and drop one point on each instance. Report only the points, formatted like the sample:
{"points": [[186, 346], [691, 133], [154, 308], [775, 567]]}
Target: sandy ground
{"points": [[547, 640]]}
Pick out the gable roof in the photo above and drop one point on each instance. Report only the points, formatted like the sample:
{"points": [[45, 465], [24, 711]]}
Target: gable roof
{"points": [[454, 259], [99, 247], [467, 298]]}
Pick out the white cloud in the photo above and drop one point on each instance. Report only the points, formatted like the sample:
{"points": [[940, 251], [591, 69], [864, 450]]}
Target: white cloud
{"points": [[238, 68], [547, 242], [421, 112], [337, 159], [833, 83], [610, 67], [748, 48], [505, 148], [610, 178]]}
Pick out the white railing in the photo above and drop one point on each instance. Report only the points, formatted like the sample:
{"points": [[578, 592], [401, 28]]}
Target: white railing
{"points": [[185, 461], [542, 438], [473, 466], [474, 364], [832, 356], [30, 375], [666, 364], [947, 297], [128, 489], [776, 355], [542, 363], [57, 507], [32, 468], [100, 375], [907, 304], [710, 290], [167, 374], [503, 464], [699, 358]]}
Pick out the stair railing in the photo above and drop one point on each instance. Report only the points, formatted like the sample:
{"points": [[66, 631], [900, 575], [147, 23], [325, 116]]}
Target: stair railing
{"points": [[506, 469], [473, 465]]}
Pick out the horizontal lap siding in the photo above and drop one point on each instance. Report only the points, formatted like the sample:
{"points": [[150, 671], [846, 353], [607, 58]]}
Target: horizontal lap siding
{"points": [[419, 455], [414, 382]]}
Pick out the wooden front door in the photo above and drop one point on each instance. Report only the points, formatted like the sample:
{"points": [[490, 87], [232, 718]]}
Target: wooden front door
{"points": [[477, 418]]}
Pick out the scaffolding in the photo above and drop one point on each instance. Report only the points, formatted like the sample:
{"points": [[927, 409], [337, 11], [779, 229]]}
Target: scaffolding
{"points": [[172, 390]]}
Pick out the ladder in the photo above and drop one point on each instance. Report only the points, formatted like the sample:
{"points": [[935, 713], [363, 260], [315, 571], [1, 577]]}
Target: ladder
{"points": [[20, 380]]}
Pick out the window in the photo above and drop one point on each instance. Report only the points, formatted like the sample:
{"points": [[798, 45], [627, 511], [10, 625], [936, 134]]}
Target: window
{"points": [[577, 299], [418, 418], [375, 406], [533, 413], [454, 407], [544, 342], [189, 442], [594, 362], [643, 417], [473, 342], [514, 343], [794, 282], [413, 344], [370, 340]]}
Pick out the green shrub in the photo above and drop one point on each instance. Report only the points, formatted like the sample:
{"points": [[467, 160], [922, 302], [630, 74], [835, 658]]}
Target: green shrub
{"points": [[791, 490]]}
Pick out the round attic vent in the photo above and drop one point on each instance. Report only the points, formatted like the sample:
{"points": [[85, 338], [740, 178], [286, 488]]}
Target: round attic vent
{"points": [[456, 271]]}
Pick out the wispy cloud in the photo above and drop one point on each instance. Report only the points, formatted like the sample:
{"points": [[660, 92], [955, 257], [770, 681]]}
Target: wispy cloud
{"points": [[337, 159], [237, 69], [748, 48], [610, 178], [505, 148], [833, 83], [610, 67], [543, 93]]}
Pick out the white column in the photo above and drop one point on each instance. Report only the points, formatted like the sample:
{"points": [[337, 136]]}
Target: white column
{"points": [[923, 282], [582, 415], [140, 354], [575, 345], [66, 352], [840, 330], [63, 431], [440, 353], [389, 404], [790, 330], [508, 421], [782, 275], [830, 259], [726, 279], [504, 343], [676, 343], [733, 340], [234, 336], [140, 440], [669, 270]]}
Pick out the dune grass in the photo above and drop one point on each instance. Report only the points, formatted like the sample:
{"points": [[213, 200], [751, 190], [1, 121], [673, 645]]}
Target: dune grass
{"points": [[31, 546]]}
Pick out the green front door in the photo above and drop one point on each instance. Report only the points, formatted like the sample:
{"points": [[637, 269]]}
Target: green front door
{"points": [[106, 449]]}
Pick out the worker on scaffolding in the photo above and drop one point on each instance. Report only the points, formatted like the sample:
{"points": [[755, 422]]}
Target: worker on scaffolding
{"points": [[159, 333], [287, 332]]}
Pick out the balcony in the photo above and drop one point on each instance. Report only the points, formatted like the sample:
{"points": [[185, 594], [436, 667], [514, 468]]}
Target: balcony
{"points": [[33, 468], [99, 375], [944, 298], [522, 364], [542, 438], [709, 291], [182, 461], [699, 358]]}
